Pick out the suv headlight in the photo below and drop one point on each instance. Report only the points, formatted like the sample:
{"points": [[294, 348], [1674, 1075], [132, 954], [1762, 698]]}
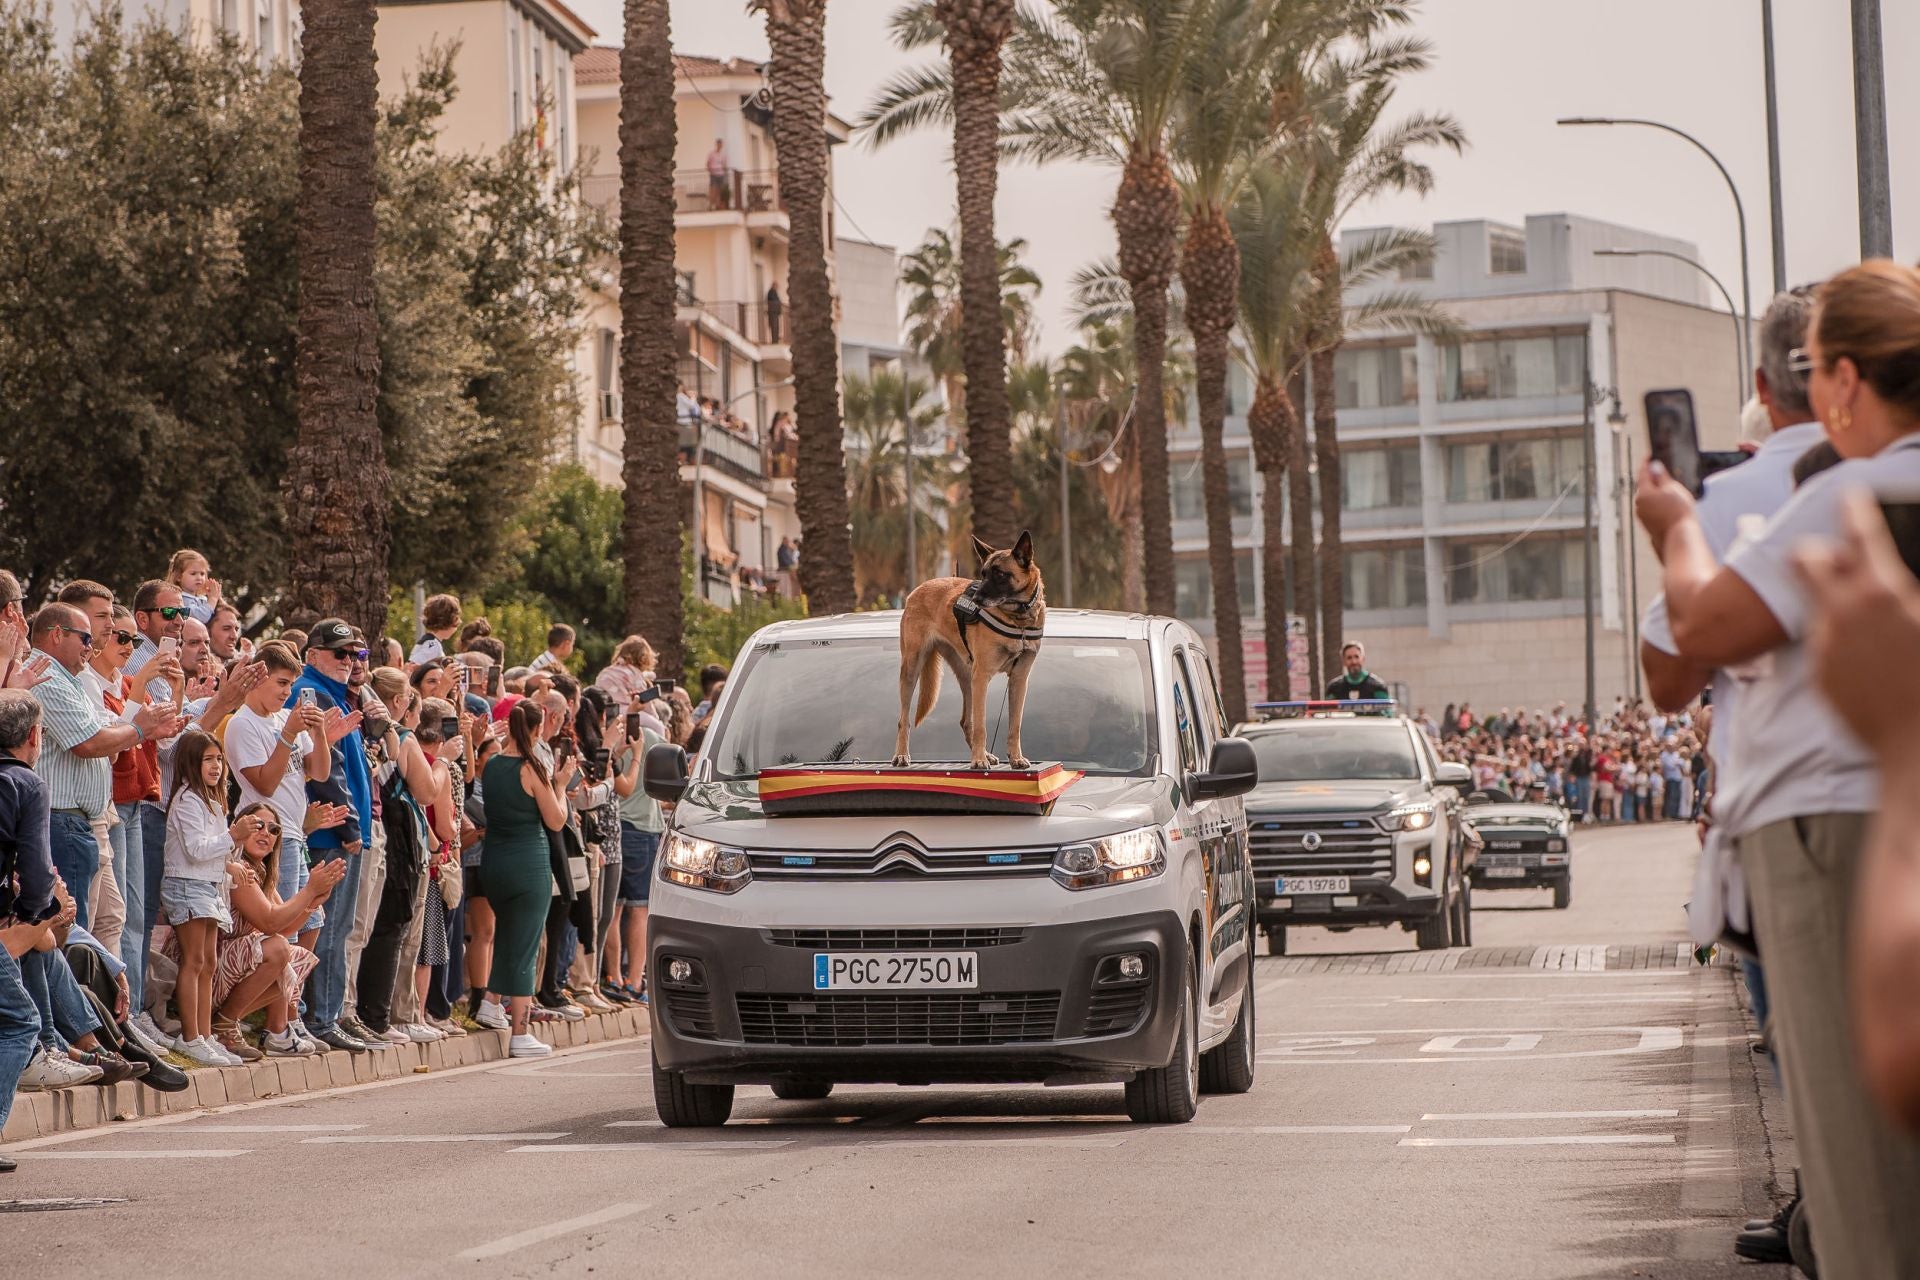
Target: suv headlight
{"points": [[1411, 817], [702, 864], [1116, 859]]}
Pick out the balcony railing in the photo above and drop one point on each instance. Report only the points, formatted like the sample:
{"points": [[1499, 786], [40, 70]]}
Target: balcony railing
{"points": [[738, 190], [755, 321], [729, 452]]}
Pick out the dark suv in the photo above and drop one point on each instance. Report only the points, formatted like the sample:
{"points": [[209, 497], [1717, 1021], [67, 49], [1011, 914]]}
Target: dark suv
{"points": [[1356, 822]]}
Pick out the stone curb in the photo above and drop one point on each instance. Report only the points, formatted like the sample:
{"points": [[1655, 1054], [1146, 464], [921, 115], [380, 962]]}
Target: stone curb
{"points": [[41, 1115]]}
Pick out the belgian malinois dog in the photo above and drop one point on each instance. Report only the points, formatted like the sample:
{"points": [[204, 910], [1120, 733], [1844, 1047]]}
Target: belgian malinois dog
{"points": [[981, 626]]}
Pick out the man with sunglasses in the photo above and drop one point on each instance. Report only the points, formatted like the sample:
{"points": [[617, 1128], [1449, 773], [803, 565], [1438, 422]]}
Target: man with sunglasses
{"points": [[332, 651], [81, 741]]}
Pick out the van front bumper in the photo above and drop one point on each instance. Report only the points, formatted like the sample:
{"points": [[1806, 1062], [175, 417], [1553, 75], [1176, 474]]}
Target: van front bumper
{"points": [[1048, 1005]]}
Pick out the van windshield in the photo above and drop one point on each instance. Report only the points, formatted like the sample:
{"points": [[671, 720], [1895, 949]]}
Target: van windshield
{"points": [[834, 701]]}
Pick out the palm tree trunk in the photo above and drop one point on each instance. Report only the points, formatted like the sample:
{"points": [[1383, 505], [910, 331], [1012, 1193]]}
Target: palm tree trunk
{"points": [[337, 491], [1146, 215], [1210, 270], [796, 33], [1300, 505], [654, 521], [1329, 322], [976, 30], [1266, 423]]}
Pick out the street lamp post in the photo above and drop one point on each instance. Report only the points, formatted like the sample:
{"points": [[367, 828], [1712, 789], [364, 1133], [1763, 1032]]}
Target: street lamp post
{"points": [[1775, 210], [1870, 132], [1740, 373], [1739, 209], [906, 430]]}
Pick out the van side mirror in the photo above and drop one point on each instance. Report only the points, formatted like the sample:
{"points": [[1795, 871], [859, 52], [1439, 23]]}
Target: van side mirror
{"points": [[1451, 773], [1232, 770], [663, 775]]}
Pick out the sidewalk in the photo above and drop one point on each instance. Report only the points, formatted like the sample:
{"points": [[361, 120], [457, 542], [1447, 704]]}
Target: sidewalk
{"points": [[41, 1115]]}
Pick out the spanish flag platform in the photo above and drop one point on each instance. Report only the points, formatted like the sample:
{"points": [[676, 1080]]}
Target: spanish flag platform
{"points": [[820, 790]]}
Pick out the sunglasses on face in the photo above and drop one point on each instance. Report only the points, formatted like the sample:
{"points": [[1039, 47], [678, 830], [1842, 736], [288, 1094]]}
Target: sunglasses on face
{"points": [[124, 637], [349, 655], [86, 637], [171, 612]]}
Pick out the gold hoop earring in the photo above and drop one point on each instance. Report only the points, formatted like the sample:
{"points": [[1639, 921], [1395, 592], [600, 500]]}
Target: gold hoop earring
{"points": [[1841, 420]]}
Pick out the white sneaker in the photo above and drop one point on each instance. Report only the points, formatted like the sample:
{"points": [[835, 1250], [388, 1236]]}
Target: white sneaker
{"points": [[493, 1016], [180, 1045], [283, 1044], [528, 1047], [448, 1027], [49, 1071], [397, 1036], [151, 1034], [204, 1052], [420, 1033]]}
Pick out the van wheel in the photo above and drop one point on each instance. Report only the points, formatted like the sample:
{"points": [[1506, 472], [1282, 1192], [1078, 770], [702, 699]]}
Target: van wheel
{"points": [[1229, 1067], [685, 1105], [1171, 1094], [1430, 934], [1276, 939], [1562, 892], [801, 1088]]}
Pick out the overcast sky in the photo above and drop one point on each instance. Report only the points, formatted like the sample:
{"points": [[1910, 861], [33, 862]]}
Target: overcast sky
{"points": [[1506, 69]]}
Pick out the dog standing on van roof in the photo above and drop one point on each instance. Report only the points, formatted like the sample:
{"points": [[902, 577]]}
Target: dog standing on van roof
{"points": [[981, 626]]}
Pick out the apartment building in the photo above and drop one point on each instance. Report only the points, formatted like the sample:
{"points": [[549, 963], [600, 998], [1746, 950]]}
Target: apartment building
{"points": [[269, 28], [1463, 464]]}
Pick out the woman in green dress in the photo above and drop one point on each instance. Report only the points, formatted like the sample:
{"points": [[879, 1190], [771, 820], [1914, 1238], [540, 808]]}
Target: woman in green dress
{"points": [[524, 800]]}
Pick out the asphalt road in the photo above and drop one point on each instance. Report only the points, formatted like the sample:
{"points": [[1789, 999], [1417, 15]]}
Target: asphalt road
{"points": [[1529, 1112]]}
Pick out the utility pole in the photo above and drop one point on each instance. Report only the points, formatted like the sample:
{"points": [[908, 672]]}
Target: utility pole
{"points": [[1066, 504], [1587, 537], [1870, 132], [1777, 214]]}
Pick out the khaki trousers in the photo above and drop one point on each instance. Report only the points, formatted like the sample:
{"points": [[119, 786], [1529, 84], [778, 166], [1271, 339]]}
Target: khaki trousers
{"points": [[406, 994], [373, 878], [106, 907], [1861, 1179]]}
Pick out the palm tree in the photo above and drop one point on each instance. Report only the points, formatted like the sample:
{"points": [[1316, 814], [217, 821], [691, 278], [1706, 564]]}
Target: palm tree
{"points": [[931, 275], [1097, 80], [879, 411], [796, 34], [1354, 162], [975, 31], [654, 519], [337, 499]]}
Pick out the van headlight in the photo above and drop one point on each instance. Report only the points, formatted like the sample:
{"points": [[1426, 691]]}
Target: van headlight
{"points": [[1116, 859], [702, 864], [1411, 817]]}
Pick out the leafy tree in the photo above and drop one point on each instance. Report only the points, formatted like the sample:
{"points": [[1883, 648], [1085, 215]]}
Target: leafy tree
{"points": [[879, 411]]}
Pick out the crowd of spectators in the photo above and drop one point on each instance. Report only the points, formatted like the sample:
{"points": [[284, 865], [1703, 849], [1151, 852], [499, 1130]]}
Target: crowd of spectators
{"points": [[1637, 764], [216, 849]]}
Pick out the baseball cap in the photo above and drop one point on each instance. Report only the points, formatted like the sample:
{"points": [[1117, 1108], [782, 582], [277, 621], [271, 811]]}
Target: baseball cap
{"points": [[329, 633], [505, 706]]}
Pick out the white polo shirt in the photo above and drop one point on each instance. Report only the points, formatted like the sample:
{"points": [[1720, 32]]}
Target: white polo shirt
{"points": [[1796, 757]]}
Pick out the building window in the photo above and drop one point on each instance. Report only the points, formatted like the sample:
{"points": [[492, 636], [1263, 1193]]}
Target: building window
{"points": [[1375, 377], [1539, 567], [1374, 479], [1189, 494], [1385, 578], [1506, 253], [1420, 268], [1513, 368], [1193, 586], [1538, 469]]}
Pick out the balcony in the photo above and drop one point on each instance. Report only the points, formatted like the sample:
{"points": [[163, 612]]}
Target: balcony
{"points": [[750, 192], [728, 452], [754, 321]]}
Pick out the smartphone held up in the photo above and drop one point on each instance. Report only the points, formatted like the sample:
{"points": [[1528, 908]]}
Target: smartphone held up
{"points": [[1673, 441]]}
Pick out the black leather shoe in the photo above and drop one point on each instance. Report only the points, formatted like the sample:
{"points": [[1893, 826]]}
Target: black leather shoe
{"points": [[113, 1067], [1780, 1218], [6, 1165], [351, 1024], [165, 1077], [1768, 1244], [335, 1038]]}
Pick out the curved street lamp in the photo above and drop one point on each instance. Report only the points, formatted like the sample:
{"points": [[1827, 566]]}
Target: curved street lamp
{"points": [[1740, 372], [1740, 210]]}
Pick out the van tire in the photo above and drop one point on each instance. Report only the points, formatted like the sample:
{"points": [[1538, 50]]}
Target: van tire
{"points": [[801, 1088], [1276, 939], [1171, 1094], [1430, 934], [685, 1105], [1228, 1067], [1562, 892]]}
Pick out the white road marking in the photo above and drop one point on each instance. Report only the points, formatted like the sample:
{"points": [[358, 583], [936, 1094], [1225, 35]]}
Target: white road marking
{"points": [[534, 1235], [991, 1142], [138, 1155], [274, 1128], [1646, 997], [1292, 1128], [1525, 1043], [756, 1144], [1340, 1047], [374, 1138], [1553, 1140], [1551, 1115]]}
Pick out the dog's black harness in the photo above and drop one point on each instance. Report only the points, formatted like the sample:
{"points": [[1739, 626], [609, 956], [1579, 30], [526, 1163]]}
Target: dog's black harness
{"points": [[967, 610]]}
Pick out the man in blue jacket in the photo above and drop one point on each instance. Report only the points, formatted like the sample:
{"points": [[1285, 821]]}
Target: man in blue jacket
{"points": [[331, 653]]}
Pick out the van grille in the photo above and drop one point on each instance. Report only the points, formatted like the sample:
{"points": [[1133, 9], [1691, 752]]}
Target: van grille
{"points": [[961, 939], [853, 1019], [1349, 846], [899, 862], [690, 1012], [1111, 1012]]}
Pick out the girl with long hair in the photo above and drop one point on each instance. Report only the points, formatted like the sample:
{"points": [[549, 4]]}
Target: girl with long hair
{"points": [[193, 889]]}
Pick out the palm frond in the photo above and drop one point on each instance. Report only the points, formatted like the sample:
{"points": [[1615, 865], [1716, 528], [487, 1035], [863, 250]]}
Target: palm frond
{"points": [[1403, 311], [916, 25], [917, 98]]}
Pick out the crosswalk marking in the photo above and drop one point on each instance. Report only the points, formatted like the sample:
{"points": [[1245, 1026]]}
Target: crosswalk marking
{"points": [[274, 1128], [1655, 1114], [139, 1155], [753, 1144], [372, 1138], [534, 1235], [1552, 1140]]}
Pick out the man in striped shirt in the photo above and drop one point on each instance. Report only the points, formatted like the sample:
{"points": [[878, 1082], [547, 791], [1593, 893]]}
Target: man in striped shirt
{"points": [[80, 743]]}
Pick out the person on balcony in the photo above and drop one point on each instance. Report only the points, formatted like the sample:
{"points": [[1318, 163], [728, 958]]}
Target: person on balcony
{"points": [[719, 188]]}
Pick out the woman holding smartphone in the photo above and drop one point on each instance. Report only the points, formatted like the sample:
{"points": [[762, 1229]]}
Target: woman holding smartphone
{"points": [[524, 801]]}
